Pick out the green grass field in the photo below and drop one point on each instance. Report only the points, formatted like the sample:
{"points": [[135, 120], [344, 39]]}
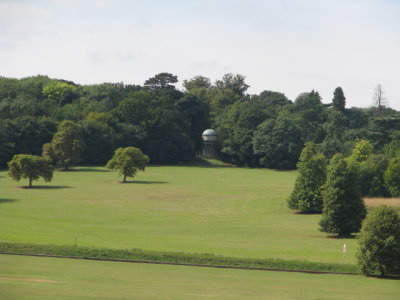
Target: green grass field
{"points": [[230, 211], [54, 278]]}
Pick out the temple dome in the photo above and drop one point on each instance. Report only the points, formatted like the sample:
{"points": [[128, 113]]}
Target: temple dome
{"points": [[210, 132]]}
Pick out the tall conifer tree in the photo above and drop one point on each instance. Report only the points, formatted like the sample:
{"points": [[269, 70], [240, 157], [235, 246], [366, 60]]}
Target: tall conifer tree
{"points": [[307, 193], [344, 208]]}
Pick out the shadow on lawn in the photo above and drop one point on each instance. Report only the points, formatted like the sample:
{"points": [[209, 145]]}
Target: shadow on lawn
{"points": [[144, 182], [47, 187], [7, 200], [83, 170]]}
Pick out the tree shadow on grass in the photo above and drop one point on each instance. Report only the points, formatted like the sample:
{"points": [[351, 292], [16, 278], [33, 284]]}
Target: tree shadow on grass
{"points": [[91, 170], [298, 212], [83, 170], [342, 237], [7, 200], [46, 187], [385, 277], [144, 182]]}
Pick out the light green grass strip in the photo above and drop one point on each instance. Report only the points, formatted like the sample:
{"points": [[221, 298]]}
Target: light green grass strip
{"points": [[40, 278]]}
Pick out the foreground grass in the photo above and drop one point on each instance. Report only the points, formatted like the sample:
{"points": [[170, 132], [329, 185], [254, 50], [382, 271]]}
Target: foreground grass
{"points": [[40, 278], [174, 258], [227, 211]]}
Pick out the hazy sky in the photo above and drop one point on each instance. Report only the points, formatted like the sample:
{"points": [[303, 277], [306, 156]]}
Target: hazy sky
{"points": [[291, 46]]}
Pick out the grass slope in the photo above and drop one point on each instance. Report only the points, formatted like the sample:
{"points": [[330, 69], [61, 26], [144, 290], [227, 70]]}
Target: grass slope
{"points": [[235, 212], [40, 278]]}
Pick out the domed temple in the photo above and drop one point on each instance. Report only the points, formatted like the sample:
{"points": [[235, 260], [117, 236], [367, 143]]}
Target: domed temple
{"points": [[210, 143]]}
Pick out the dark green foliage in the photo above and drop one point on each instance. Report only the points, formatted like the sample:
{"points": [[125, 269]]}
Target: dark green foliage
{"points": [[310, 115], [379, 240], [237, 129], [128, 161], [372, 182], [307, 193], [24, 134], [99, 139], [334, 128], [67, 145], [392, 150], [167, 123], [197, 114], [161, 81], [381, 130], [197, 82], [339, 100], [278, 142], [30, 166], [174, 258], [392, 177], [235, 83], [344, 208]]}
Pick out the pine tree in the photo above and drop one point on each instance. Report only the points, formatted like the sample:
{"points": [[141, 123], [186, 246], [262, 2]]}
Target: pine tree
{"points": [[344, 208], [307, 193]]}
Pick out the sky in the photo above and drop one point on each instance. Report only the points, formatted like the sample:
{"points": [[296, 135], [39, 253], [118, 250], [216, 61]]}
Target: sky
{"points": [[290, 46]]}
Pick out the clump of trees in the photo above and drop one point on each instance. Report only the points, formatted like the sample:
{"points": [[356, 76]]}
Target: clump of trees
{"points": [[32, 167], [128, 161], [379, 252]]}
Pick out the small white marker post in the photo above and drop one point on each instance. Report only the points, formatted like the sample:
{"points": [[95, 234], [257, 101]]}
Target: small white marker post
{"points": [[344, 250]]}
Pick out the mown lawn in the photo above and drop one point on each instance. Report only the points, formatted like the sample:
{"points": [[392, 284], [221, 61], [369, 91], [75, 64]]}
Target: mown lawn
{"points": [[54, 278], [222, 210]]}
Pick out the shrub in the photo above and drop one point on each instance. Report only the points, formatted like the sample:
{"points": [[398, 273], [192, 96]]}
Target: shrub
{"points": [[379, 240]]}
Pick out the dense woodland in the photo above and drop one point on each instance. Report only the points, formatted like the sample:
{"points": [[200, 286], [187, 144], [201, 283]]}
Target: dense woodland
{"points": [[267, 130]]}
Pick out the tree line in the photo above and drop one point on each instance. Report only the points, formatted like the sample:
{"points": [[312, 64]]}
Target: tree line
{"points": [[261, 130]]}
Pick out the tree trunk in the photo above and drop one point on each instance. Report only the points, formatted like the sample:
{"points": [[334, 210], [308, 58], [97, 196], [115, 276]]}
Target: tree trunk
{"points": [[30, 182], [123, 181]]}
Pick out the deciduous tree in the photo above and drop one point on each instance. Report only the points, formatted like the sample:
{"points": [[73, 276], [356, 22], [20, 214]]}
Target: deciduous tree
{"points": [[128, 161], [30, 166], [66, 146]]}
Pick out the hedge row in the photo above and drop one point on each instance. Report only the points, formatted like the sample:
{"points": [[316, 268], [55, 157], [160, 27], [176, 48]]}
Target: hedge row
{"points": [[180, 258]]}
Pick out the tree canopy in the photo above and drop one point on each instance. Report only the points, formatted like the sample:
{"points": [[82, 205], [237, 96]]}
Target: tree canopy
{"points": [[67, 145], [32, 167], [128, 161]]}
